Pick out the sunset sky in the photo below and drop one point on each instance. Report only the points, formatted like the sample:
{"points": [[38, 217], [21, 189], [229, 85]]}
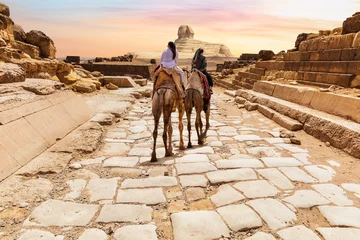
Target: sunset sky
{"points": [[92, 28]]}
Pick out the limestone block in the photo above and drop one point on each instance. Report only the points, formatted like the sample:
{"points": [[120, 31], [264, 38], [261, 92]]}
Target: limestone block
{"points": [[264, 87], [338, 67], [323, 66], [354, 68], [8, 164], [348, 54], [120, 81], [77, 108]]}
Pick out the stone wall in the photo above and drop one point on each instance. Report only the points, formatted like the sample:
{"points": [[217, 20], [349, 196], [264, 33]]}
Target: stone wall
{"points": [[120, 69], [34, 119]]}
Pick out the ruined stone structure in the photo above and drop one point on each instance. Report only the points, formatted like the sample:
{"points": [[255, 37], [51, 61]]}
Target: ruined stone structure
{"points": [[186, 43], [113, 69]]}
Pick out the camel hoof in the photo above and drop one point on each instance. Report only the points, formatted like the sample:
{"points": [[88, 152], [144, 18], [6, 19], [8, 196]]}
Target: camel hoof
{"points": [[168, 154], [201, 142], [182, 148], [153, 159], [189, 145]]}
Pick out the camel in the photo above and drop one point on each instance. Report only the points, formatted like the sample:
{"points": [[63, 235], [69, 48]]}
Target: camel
{"points": [[165, 98], [194, 98]]}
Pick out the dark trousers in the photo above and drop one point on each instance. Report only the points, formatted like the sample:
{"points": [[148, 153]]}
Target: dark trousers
{"points": [[209, 78]]}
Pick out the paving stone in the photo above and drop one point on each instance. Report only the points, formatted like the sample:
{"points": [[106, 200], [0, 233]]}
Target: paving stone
{"points": [[231, 175], [198, 225], [302, 157], [200, 150], [193, 158], [193, 168], [341, 216], [351, 187], [58, 213], [137, 129], [244, 138], [125, 213], [140, 152], [276, 178], [116, 135], [261, 236], [281, 162], [240, 217], [306, 199], [277, 140], [139, 136], [160, 181], [333, 193], [93, 234], [291, 148], [101, 189], [148, 196], [257, 189], [193, 181], [115, 148], [76, 186], [267, 151], [226, 195], [136, 232], [240, 163], [333, 163], [121, 162], [274, 213], [157, 171], [215, 143], [34, 234], [297, 175], [339, 233], [92, 161], [193, 194], [298, 233], [239, 157], [321, 172]]}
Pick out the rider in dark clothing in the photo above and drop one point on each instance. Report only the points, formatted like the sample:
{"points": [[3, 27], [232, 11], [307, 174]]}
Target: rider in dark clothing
{"points": [[200, 63]]}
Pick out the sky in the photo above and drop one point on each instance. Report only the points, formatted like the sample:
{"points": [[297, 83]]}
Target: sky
{"points": [[107, 28]]}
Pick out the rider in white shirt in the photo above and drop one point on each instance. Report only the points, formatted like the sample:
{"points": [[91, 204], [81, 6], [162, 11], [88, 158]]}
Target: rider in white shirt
{"points": [[169, 59]]}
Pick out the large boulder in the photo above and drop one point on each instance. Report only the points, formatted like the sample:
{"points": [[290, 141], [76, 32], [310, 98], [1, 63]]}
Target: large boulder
{"points": [[4, 10], [19, 33], [31, 50], [266, 55], [6, 28], [10, 73], [352, 24], [46, 45], [303, 37], [9, 54]]}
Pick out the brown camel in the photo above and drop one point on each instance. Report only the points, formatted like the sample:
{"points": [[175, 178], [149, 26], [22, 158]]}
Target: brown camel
{"points": [[165, 98], [194, 98]]}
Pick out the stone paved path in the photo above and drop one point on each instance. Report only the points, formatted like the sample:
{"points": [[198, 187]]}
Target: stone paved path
{"points": [[244, 183]]}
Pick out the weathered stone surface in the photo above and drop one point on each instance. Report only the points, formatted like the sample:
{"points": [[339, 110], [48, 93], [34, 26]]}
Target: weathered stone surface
{"points": [[261, 236], [231, 175], [240, 217], [58, 213], [276, 178], [198, 225], [193, 181], [291, 148], [274, 213], [321, 172], [39, 234], [201, 150], [140, 152], [121, 162], [10, 73], [160, 181], [244, 138], [46, 45], [297, 175], [101, 189], [84, 87], [341, 216], [306, 199], [149, 196], [104, 118], [115, 148], [193, 194], [136, 232], [192, 158], [4, 9], [351, 187], [241, 163], [257, 189], [281, 162], [351, 24], [193, 168], [125, 213], [120, 81], [76, 187], [226, 195], [333, 193], [339, 233], [92, 161], [298, 232], [93, 234]]}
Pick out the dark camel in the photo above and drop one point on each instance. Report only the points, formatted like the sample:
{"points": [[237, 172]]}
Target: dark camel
{"points": [[194, 90], [165, 97]]}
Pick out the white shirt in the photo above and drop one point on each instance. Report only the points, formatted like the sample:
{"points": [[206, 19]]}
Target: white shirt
{"points": [[167, 59]]}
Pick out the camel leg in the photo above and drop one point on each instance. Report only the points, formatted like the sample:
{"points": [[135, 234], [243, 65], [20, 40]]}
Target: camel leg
{"points": [[181, 125], [188, 116], [170, 132], [156, 107], [207, 117], [197, 126]]}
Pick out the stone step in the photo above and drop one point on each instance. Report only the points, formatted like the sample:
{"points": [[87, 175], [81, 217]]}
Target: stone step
{"points": [[340, 133], [340, 105], [258, 71], [249, 75], [226, 85], [316, 84], [345, 54], [285, 122]]}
